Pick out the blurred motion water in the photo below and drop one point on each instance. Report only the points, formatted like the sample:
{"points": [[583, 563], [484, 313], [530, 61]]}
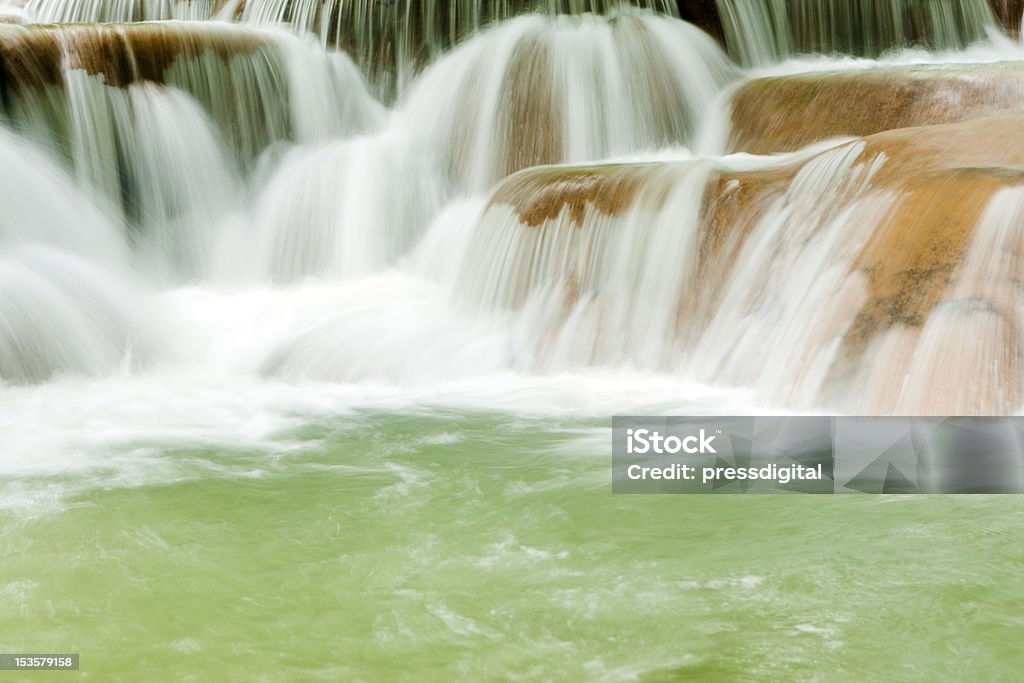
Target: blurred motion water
{"points": [[313, 314]]}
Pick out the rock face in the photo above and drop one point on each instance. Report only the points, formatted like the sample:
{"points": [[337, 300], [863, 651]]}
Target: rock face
{"points": [[1009, 13], [784, 114], [875, 277], [704, 14]]}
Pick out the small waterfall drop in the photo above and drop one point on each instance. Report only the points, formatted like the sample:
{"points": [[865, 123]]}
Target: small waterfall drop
{"points": [[68, 301], [118, 11], [597, 260], [258, 86], [391, 41], [835, 278], [163, 133], [345, 209], [769, 30], [540, 90]]}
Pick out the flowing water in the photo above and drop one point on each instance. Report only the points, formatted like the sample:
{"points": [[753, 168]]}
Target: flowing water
{"points": [[761, 32], [308, 357]]}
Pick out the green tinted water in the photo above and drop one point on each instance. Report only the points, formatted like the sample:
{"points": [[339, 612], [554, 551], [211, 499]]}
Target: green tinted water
{"points": [[455, 546]]}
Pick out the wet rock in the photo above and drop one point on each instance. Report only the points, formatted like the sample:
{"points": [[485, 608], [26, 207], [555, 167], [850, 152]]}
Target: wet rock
{"points": [[911, 242], [540, 195], [36, 56], [786, 113], [704, 14], [1009, 13]]}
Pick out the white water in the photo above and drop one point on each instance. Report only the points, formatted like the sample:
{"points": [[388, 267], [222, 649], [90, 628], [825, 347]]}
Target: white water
{"points": [[180, 195], [539, 90], [637, 289], [169, 157], [68, 302], [606, 292], [330, 255]]}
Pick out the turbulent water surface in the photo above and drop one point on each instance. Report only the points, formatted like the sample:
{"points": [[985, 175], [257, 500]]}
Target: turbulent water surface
{"points": [[308, 357], [428, 542]]}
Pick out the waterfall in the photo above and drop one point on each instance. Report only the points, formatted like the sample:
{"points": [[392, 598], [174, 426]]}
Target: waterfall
{"points": [[12, 12], [163, 130], [552, 190], [598, 259], [346, 209], [540, 90], [389, 40], [68, 301], [977, 330], [259, 87], [769, 30], [819, 280], [352, 207], [118, 11]]}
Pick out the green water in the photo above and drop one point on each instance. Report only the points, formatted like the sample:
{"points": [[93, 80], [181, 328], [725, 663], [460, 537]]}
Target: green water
{"points": [[456, 546]]}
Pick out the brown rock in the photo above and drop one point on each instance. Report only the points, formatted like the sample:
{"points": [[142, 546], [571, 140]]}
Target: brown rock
{"points": [[1009, 13], [912, 265], [540, 195], [36, 56], [909, 305], [784, 114]]}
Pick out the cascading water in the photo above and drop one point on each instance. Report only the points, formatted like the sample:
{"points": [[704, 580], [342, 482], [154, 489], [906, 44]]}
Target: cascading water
{"points": [[348, 223], [68, 300], [417, 29], [389, 40], [320, 334], [162, 132], [392, 40], [763, 32], [809, 276], [327, 209], [186, 120], [542, 91], [597, 260], [204, 141], [118, 11]]}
